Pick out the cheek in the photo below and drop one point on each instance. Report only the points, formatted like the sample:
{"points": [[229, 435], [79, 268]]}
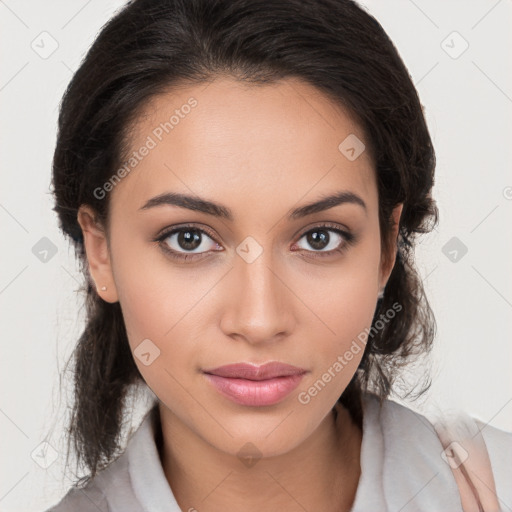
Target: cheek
{"points": [[152, 301], [163, 348], [151, 294], [336, 355], [344, 295], [346, 317], [344, 301]]}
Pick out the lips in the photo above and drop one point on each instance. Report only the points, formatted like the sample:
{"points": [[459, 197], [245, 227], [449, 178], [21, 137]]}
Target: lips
{"points": [[250, 385], [250, 372]]}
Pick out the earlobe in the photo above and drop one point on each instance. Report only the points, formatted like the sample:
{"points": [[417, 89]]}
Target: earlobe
{"points": [[98, 256], [388, 262]]}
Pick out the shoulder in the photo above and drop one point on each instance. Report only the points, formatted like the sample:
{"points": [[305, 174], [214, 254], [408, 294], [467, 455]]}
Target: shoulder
{"points": [[401, 462], [410, 437], [413, 448], [110, 490], [484, 450], [499, 447], [407, 431], [90, 498], [113, 488]]}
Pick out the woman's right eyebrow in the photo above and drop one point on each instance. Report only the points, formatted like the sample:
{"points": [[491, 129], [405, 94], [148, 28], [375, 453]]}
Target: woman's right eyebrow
{"points": [[197, 203]]}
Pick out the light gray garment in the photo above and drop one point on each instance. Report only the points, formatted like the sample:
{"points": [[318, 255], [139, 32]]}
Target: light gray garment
{"points": [[401, 469]]}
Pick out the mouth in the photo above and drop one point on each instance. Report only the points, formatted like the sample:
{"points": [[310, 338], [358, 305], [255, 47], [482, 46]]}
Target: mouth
{"points": [[251, 385]]}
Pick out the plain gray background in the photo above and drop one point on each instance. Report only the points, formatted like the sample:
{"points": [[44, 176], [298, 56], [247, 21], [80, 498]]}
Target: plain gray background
{"points": [[467, 94]]}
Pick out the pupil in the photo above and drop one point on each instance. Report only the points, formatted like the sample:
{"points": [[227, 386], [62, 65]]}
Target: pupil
{"points": [[318, 239], [190, 239]]}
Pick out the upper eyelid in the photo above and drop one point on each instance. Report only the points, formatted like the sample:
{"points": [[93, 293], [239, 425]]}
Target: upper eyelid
{"points": [[165, 233], [326, 225]]}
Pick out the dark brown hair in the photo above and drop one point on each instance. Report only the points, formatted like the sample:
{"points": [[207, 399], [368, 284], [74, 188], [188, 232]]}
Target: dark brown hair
{"points": [[151, 45]]}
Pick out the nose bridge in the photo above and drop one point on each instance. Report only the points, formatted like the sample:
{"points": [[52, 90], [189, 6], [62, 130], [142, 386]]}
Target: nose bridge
{"points": [[259, 301]]}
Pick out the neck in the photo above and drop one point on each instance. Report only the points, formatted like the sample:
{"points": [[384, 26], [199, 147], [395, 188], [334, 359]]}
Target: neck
{"points": [[322, 473]]}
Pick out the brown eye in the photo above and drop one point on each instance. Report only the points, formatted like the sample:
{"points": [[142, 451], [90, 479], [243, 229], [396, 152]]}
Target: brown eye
{"points": [[325, 240], [187, 242], [189, 239], [318, 239]]}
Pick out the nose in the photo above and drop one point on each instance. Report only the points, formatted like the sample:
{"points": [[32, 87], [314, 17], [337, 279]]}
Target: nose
{"points": [[259, 307]]}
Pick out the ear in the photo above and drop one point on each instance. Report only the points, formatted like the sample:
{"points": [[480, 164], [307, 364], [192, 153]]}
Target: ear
{"points": [[388, 256], [98, 255]]}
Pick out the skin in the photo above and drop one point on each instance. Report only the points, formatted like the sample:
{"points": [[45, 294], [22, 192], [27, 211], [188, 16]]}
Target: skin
{"points": [[261, 151]]}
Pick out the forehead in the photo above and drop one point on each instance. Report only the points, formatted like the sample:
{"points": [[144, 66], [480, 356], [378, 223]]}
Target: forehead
{"points": [[254, 143]]}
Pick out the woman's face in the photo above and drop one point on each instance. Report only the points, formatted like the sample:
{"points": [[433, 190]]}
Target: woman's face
{"points": [[259, 282]]}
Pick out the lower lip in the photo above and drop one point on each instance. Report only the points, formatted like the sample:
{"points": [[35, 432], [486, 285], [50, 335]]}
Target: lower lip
{"points": [[255, 392]]}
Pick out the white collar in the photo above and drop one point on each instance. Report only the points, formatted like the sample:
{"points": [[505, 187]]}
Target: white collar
{"points": [[401, 464]]}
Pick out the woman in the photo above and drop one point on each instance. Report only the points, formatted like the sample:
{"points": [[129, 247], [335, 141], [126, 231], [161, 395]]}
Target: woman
{"points": [[244, 182]]}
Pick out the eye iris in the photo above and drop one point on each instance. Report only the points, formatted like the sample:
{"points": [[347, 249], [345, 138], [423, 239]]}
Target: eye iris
{"points": [[318, 239], [189, 239]]}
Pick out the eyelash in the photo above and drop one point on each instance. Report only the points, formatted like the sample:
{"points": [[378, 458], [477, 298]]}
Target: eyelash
{"points": [[349, 239]]}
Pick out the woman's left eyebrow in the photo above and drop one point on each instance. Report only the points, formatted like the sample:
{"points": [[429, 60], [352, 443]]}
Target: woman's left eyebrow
{"points": [[197, 203]]}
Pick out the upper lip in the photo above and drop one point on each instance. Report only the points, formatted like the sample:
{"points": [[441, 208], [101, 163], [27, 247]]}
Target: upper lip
{"points": [[253, 372]]}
